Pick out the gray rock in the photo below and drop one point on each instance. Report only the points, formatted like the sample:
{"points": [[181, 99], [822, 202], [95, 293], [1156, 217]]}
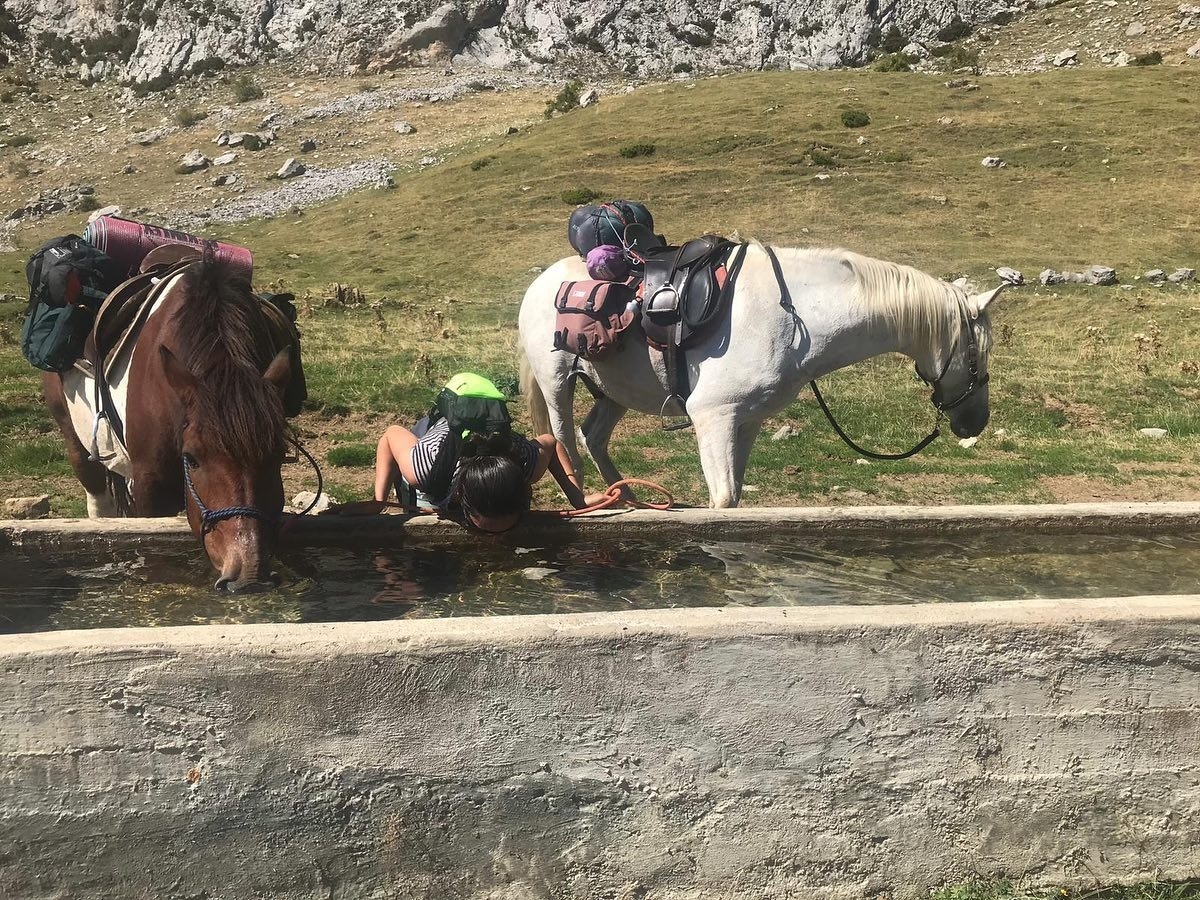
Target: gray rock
{"points": [[787, 431], [1100, 275], [1194, 50], [1179, 276], [302, 500], [27, 507], [222, 139], [404, 128], [152, 136], [993, 162], [1156, 276], [1066, 58], [590, 97], [1012, 276], [291, 168], [1153, 433], [247, 140], [1135, 29], [1050, 276], [194, 161], [225, 159], [225, 180], [308, 145], [104, 211]]}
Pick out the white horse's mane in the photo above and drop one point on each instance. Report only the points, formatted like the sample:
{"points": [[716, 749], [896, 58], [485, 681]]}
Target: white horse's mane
{"points": [[921, 307]]}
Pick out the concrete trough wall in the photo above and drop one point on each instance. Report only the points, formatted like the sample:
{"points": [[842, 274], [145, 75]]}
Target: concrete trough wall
{"points": [[673, 754]]}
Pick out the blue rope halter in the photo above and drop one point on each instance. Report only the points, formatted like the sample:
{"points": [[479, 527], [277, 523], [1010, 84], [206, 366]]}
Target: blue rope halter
{"points": [[211, 518]]}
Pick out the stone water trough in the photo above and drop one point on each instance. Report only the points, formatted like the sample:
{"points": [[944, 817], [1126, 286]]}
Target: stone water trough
{"points": [[845, 751]]}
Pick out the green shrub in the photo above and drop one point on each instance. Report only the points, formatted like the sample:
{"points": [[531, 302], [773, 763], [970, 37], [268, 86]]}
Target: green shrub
{"points": [[189, 116], [246, 89], [629, 151], [822, 157], [893, 62], [956, 30], [1153, 58], [956, 56], [579, 196], [855, 118], [87, 203], [482, 162], [567, 99], [349, 455], [893, 41], [19, 140], [896, 156]]}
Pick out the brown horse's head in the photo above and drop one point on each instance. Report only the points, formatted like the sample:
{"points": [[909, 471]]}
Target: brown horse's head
{"points": [[232, 431]]}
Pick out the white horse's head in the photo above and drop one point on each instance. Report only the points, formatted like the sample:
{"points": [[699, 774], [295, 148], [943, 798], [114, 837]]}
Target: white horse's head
{"points": [[960, 387]]}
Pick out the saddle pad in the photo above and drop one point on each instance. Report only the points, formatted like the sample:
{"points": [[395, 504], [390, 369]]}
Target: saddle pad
{"points": [[592, 315]]}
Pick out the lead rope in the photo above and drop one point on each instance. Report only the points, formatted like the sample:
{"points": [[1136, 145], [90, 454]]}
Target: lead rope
{"points": [[612, 496]]}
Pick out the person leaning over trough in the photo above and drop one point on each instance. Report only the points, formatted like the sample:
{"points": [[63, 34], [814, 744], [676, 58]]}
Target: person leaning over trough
{"points": [[487, 472]]}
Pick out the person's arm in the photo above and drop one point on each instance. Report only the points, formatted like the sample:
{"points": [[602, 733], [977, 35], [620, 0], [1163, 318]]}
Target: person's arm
{"points": [[553, 457]]}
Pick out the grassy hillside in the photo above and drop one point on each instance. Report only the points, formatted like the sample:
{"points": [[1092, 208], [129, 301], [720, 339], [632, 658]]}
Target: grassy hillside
{"points": [[1101, 167]]}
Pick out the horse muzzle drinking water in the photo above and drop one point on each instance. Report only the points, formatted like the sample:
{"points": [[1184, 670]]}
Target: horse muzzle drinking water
{"points": [[190, 417]]}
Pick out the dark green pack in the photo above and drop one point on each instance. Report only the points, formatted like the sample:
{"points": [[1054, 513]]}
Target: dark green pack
{"points": [[68, 280], [470, 404]]}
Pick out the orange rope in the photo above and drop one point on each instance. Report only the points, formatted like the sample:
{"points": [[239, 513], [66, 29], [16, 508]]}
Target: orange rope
{"points": [[613, 496]]}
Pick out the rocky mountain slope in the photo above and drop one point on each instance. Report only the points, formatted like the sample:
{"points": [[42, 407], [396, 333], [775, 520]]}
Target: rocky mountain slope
{"points": [[155, 41]]}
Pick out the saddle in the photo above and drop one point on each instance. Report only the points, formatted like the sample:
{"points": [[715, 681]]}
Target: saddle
{"points": [[685, 290]]}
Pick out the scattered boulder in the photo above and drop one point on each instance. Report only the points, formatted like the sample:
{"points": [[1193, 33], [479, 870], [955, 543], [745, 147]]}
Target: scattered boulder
{"points": [[302, 500], [146, 138], [590, 97], [1050, 276], [247, 140], [193, 161], [291, 168], [308, 145], [222, 139], [1153, 433], [1156, 276], [1066, 58], [104, 211], [1179, 276], [404, 128], [968, 443], [1100, 275], [1135, 29], [510, 130], [225, 180], [993, 162], [27, 507], [787, 431], [1012, 276], [225, 159], [1194, 50]]}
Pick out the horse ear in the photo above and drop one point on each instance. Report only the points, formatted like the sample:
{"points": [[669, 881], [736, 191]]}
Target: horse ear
{"points": [[179, 378], [981, 301], [279, 372]]}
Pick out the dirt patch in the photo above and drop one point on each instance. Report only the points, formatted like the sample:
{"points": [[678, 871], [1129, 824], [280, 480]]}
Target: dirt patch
{"points": [[1078, 415], [1082, 489]]}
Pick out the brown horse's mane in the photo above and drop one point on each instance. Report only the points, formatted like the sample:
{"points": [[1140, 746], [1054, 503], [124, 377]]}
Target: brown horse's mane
{"points": [[223, 339]]}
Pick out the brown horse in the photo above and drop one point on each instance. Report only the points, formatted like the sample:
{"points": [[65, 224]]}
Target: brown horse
{"points": [[200, 396]]}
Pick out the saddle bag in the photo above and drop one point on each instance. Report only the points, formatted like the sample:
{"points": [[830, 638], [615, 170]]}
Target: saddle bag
{"points": [[596, 226], [68, 280], [592, 315]]}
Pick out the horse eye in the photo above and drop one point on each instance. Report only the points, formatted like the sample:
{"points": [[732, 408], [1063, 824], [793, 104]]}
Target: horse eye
{"points": [[190, 461]]}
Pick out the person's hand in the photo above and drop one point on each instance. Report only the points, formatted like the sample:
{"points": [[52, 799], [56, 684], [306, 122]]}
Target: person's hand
{"points": [[593, 499]]}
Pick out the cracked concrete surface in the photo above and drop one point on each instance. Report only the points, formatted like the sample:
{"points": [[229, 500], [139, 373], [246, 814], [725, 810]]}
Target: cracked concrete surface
{"points": [[669, 754]]}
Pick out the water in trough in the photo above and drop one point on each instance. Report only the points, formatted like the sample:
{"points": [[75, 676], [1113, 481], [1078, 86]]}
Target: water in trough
{"points": [[43, 591]]}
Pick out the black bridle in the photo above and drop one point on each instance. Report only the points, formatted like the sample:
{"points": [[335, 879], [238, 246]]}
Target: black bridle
{"points": [[211, 518]]}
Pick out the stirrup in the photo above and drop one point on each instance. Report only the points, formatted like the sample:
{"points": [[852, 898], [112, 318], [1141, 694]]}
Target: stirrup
{"points": [[678, 425]]}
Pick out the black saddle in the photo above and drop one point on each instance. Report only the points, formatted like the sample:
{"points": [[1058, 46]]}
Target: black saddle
{"points": [[681, 290]]}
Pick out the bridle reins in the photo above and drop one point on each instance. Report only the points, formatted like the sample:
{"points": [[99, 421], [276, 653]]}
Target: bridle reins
{"points": [[211, 518], [965, 321]]}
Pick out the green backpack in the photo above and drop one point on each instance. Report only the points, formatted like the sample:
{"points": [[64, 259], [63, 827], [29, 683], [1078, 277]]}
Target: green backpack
{"points": [[469, 403]]}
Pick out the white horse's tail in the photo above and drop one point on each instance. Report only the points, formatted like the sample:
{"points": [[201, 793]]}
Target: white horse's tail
{"points": [[539, 413]]}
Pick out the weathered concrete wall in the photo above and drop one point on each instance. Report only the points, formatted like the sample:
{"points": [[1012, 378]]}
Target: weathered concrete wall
{"points": [[673, 754]]}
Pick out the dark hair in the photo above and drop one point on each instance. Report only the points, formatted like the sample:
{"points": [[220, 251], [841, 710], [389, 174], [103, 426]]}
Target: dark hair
{"points": [[491, 479]]}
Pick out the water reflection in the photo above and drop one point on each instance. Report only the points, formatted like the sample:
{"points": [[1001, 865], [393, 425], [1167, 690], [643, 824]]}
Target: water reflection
{"points": [[172, 587]]}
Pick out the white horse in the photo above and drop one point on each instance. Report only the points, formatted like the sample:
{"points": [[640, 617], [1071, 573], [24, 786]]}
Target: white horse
{"points": [[822, 310]]}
